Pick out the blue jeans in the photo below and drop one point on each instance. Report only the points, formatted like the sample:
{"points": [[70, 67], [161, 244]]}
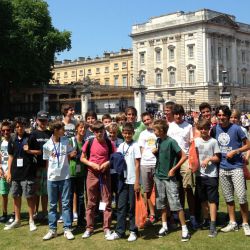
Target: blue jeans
{"points": [[55, 190]]}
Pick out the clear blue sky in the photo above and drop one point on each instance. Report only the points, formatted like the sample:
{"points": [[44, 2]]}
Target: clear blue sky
{"points": [[105, 25]]}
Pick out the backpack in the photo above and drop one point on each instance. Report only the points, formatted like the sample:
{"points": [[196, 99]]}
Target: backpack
{"points": [[90, 142]]}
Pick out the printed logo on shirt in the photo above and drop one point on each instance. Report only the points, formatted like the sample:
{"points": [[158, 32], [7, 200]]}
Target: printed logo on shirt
{"points": [[224, 139]]}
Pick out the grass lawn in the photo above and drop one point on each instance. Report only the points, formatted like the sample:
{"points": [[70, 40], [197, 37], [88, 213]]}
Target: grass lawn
{"points": [[21, 238]]}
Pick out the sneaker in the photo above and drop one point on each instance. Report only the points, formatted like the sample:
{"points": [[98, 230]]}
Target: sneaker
{"points": [[68, 234], [205, 224], [163, 232], [107, 233], [14, 224], [132, 237], [32, 226], [51, 234], [75, 217], [230, 227], [87, 234], [246, 229], [113, 236], [185, 238], [212, 233], [11, 219], [4, 218], [60, 220]]}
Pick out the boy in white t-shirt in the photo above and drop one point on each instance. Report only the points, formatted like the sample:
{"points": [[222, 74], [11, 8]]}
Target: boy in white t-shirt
{"points": [[132, 155], [57, 151], [147, 142]]}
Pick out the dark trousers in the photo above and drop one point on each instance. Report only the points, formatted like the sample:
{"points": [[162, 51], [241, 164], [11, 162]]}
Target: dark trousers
{"points": [[77, 186], [126, 203]]}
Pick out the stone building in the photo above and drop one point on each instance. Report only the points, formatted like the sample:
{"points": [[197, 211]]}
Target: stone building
{"points": [[193, 57]]}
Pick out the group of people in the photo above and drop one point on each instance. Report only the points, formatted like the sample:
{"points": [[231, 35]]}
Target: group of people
{"points": [[85, 168]]}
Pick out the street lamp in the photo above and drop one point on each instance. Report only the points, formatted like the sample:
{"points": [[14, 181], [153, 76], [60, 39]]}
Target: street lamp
{"points": [[224, 77], [190, 102]]}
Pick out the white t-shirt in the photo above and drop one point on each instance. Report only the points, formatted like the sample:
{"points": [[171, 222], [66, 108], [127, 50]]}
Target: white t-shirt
{"points": [[4, 155], [147, 140], [207, 149], [130, 152], [58, 167], [182, 133]]}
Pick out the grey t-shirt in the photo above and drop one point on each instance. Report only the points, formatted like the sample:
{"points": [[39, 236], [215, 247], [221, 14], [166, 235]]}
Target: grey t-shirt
{"points": [[207, 149]]}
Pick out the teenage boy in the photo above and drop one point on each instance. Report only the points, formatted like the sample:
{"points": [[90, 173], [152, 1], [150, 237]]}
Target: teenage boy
{"points": [[68, 120], [182, 132], [126, 196], [56, 152], [4, 185], [168, 111], [90, 118], [41, 135], [96, 154], [131, 114], [232, 142], [22, 171], [170, 158], [207, 182], [147, 142]]}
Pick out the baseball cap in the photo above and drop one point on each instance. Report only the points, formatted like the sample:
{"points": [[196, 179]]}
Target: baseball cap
{"points": [[42, 115]]}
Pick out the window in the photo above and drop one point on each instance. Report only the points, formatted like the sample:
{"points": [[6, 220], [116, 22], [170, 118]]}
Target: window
{"points": [[97, 70], [212, 52], [191, 76], [106, 81], [131, 64], [57, 75], [65, 74], [89, 72], [106, 70], [124, 65], [191, 51], [124, 81], [142, 58], [244, 77], [172, 77], [116, 80], [158, 79], [213, 75], [219, 53], [116, 66], [81, 72], [171, 54], [243, 56], [158, 56], [73, 73]]}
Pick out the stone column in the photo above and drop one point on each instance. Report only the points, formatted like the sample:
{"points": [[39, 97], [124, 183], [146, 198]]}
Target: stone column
{"points": [[85, 96]]}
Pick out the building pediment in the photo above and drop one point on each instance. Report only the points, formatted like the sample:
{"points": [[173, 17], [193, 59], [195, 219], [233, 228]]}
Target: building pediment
{"points": [[223, 20]]}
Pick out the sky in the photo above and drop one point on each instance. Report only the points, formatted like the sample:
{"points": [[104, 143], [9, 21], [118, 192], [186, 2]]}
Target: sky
{"points": [[104, 25]]}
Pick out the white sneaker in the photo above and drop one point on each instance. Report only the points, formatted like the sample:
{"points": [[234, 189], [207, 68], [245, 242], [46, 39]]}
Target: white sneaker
{"points": [[107, 233], [32, 226], [163, 231], [246, 229], [87, 234], [51, 234], [113, 236], [230, 227], [132, 237], [60, 220], [14, 224], [68, 234]]}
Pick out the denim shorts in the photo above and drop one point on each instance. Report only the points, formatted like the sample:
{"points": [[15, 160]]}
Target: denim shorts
{"points": [[26, 188]]}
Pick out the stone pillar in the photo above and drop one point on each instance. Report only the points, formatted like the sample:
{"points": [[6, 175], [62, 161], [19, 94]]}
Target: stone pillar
{"points": [[85, 96], [44, 102], [139, 99]]}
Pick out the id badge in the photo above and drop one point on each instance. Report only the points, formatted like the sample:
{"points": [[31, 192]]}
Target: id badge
{"points": [[102, 206], [19, 162], [57, 171], [78, 168]]}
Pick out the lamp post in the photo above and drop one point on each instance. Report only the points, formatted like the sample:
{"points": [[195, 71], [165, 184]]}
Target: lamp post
{"points": [[190, 102], [224, 77], [225, 95]]}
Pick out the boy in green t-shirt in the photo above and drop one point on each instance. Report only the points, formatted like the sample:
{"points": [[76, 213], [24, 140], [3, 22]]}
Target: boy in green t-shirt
{"points": [[170, 157]]}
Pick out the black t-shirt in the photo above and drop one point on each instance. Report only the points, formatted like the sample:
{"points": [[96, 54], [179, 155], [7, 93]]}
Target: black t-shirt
{"points": [[41, 137], [89, 135], [15, 148]]}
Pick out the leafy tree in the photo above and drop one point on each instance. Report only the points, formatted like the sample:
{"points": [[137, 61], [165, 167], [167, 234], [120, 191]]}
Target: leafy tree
{"points": [[28, 46]]}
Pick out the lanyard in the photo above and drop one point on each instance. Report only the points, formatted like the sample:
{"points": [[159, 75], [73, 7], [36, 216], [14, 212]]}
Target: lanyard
{"points": [[57, 151], [124, 153]]}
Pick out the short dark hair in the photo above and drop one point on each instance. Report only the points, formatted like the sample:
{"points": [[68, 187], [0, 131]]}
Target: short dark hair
{"points": [[178, 109], [97, 125], [65, 108], [204, 105], [203, 123], [80, 123], [225, 109], [5, 124], [161, 125], [131, 108], [146, 114], [56, 125], [106, 116], [19, 120], [169, 105], [128, 126], [90, 113]]}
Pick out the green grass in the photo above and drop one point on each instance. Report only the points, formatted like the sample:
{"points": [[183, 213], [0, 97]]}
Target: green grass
{"points": [[21, 238]]}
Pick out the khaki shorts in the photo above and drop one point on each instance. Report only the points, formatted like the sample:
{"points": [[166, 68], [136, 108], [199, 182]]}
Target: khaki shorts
{"points": [[187, 175]]}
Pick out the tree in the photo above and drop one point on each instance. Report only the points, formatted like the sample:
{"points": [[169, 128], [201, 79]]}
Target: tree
{"points": [[28, 46]]}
